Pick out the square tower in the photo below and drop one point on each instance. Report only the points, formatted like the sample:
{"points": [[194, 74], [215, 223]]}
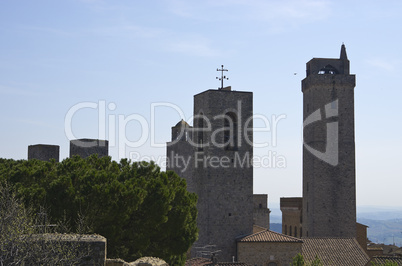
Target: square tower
{"points": [[329, 189], [220, 171]]}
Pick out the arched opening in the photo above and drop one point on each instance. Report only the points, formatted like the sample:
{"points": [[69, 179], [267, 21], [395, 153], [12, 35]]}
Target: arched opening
{"points": [[328, 69], [290, 230], [230, 134], [295, 231], [286, 229]]}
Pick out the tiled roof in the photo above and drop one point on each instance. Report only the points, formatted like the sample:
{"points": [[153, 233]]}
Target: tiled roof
{"points": [[231, 264], [383, 259], [375, 249], [334, 251], [197, 262], [207, 262], [269, 236], [257, 228], [362, 225]]}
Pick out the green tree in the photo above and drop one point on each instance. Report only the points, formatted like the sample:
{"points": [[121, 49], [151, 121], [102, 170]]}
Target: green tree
{"points": [[386, 263], [316, 261], [21, 243], [298, 260], [139, 209]]}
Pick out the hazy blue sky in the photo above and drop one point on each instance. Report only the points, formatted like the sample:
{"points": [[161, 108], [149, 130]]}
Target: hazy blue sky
{"points": [[130, 54]]}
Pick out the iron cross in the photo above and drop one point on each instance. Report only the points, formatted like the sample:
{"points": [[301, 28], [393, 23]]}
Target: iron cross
{"points": [[222, 76]]}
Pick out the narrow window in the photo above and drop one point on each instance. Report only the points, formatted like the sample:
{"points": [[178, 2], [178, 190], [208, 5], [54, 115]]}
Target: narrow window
{"points": [[286, 229], [301, 232], [260, 206], [295, 231], [290, 230]]}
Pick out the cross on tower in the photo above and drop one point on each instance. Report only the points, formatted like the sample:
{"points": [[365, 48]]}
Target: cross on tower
{"points": [[222, 76]]}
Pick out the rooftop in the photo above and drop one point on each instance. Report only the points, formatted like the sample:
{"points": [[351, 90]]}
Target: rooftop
{"points": [[269, 236], [334, 251]]}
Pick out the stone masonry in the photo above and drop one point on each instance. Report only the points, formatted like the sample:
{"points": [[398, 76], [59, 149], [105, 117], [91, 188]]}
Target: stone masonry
{"points": [[329, 193], [292, 216], [219, 152], [87, 147], [44, 152], [261, 211]]}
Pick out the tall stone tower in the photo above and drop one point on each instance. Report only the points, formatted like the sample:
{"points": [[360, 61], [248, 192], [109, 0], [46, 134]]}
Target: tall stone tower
{"points": [[219, 151], [329, 191]]}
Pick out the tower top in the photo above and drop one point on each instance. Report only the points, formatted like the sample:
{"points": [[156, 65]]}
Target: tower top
{"points": [[343, 56], [334, 66]]}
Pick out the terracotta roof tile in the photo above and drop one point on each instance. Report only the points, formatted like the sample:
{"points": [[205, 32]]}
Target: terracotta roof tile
{"points": [[207, 262], [197, 262], [383, 259], [334, 251], [269, 236], [231, 264]]}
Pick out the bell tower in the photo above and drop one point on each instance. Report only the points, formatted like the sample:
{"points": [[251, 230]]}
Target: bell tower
{"points": [[329, 189]]}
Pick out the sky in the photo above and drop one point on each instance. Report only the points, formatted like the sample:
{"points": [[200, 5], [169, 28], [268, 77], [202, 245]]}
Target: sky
{"points": [[127, 71]]}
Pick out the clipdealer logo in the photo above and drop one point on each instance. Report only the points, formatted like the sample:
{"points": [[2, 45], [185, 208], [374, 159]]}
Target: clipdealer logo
{"points": [[331, 154]]}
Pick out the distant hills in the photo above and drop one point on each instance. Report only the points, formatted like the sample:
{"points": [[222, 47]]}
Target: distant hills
{"points": [[385, 223]]}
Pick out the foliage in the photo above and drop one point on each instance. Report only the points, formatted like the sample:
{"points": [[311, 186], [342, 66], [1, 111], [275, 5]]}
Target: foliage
{"points": [[139, 209], [387, 263], [20, 243], [316, 261], [298, 260]]}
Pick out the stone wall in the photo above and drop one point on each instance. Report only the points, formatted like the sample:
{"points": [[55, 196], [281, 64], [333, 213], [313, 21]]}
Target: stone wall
{"points": [[261, 253], [91, 248]]}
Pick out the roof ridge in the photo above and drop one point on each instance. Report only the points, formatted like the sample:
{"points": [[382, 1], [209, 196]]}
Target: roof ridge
{"points": [[328, 237], [285, 238], [296, 238]]}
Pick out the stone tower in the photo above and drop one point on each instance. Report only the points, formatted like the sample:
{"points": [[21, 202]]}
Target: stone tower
{"points": [[87, 147], [219, 152], [329, 193], [44, 152]]}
